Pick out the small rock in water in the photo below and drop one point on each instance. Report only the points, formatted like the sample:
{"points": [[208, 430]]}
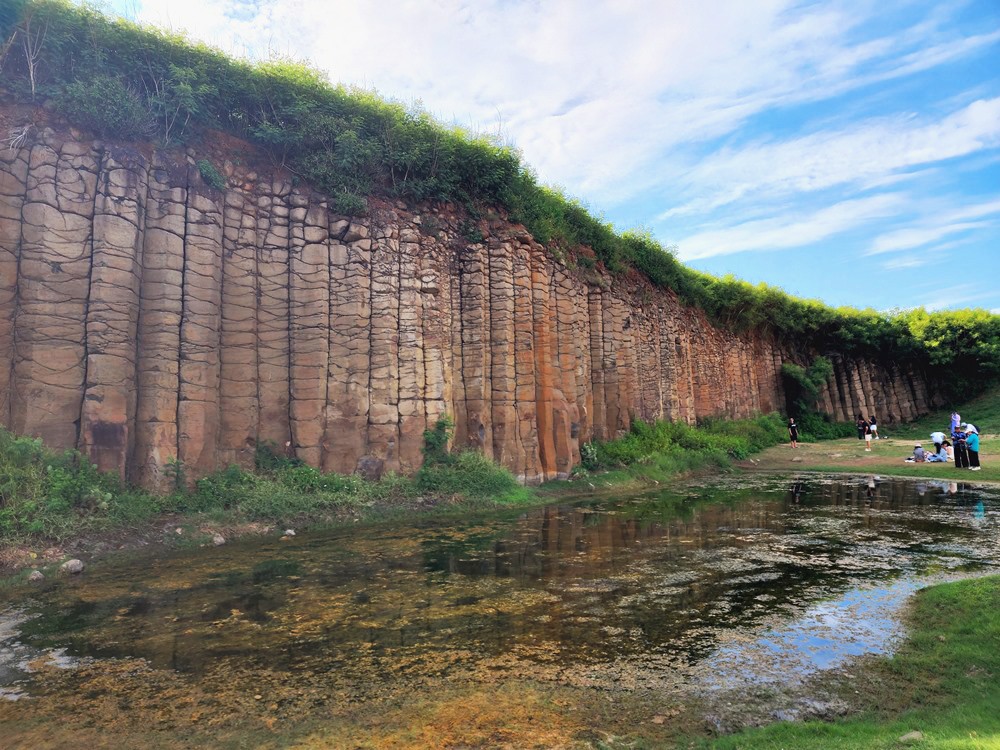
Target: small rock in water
{"points": [[911, 738], [218, 540], [36, 576], [289, 532], [72, 566]]}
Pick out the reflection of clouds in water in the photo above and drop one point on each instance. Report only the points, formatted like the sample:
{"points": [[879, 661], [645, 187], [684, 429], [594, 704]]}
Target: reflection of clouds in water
{"points": [[862, 621], [17, 658]]}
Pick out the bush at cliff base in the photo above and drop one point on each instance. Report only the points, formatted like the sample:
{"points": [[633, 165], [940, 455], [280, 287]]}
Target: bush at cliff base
{"points": [[715, 440]]}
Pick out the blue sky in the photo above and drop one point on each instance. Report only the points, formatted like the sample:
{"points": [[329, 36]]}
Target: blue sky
{"points": [[844, 151]]}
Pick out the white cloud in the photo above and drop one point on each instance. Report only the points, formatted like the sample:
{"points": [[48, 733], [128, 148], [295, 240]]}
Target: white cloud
{"points": [[928, 231], [597, 95], [957, 296], [871, 153], [914, 261], [787, 231]]}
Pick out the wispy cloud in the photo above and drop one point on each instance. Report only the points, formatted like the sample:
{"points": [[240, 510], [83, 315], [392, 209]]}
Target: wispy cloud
{"points": [[871, 152], [786, 231], [648, 76], [958, 295], [734, 127], [911, 262], [927, 231]]}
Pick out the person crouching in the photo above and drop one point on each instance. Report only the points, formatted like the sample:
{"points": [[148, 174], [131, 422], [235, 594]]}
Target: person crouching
{"points": [[918, 454]]}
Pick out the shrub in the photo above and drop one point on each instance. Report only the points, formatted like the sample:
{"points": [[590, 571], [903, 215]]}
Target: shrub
{"points": [[43, 492], [211, 175], [268, 457], [682, 445], [470, 474], [106, 106], [436, 441], [220, 490]]}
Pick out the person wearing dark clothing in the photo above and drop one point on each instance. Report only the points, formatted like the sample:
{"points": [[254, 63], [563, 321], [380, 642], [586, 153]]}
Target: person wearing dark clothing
{"points": [[862, 425], [972, 445], [961, 449], [793, 432]]}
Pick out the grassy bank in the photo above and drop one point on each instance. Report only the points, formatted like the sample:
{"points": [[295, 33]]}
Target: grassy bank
{"points": [[886, 457], [661, 450], [49, 497], [942, 682]]}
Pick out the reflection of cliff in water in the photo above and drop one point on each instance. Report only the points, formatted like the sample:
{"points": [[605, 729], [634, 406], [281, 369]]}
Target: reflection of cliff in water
{"points": [[640, 578]]}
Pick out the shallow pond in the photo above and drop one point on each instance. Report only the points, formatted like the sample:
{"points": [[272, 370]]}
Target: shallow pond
{"points": [[729, 587]]}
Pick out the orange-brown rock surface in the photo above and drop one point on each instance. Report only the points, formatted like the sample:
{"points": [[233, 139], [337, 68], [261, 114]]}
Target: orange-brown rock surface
{"points": [[146, 317]]}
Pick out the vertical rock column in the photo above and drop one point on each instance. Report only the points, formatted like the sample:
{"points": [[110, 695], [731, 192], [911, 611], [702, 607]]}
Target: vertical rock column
{"points": [[238, 356], [13, 184], [565, 411], [113, 312], [503, 376], [524, 363], [580, 333], [53, 292], [615, 356], [436, 325], [667, 364], [477, 429], [201, 317], [412, 384], [273, 325], [546, 362], [348, 366], [599, 417], [309, 300], [383, 415], [648, 363], [159, 323]]}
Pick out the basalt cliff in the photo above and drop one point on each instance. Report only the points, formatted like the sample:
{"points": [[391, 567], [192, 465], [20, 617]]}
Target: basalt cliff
{"points": [[147, 317]]}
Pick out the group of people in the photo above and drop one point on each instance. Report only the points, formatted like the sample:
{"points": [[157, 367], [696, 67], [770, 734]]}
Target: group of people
{"points": [[867, 430], [963, 448]]}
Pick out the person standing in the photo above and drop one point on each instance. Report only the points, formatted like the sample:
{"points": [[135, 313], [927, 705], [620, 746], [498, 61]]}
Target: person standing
{"points": [[861, 422], [868, 437], [972, 445], [873, 425], [956, 420], [961, 449], [793, 432]]}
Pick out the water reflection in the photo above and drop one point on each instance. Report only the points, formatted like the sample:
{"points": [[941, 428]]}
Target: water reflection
{"points": [[642, 587]]}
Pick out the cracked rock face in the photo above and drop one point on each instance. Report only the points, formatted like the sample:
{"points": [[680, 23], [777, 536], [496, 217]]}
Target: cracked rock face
{"points": [[146, 317]]}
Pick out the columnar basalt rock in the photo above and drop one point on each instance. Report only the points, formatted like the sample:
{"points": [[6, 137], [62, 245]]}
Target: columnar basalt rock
{"points": [[113, 311], [149, 319]]}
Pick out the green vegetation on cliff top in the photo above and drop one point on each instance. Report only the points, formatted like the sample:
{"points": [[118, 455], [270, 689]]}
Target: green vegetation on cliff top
{"points": [[121, 80]]}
